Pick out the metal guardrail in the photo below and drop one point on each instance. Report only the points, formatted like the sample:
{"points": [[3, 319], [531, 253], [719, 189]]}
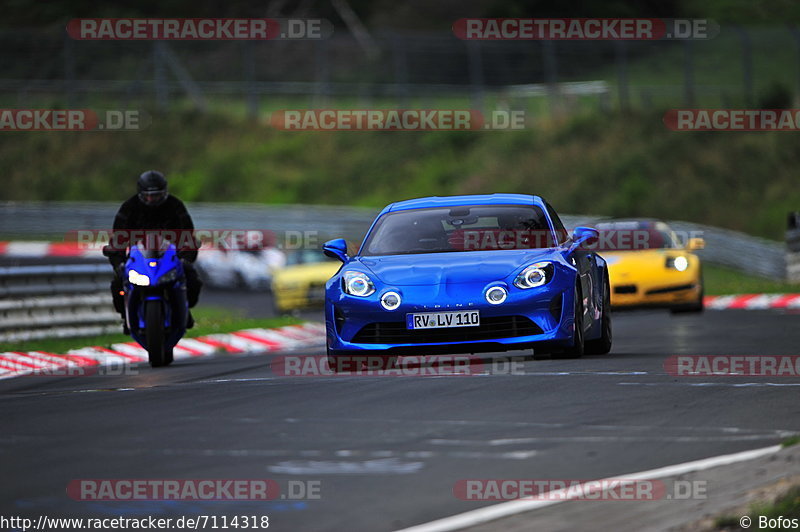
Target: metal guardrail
{"points": [[55, 302], [740, 251], [74, 300], [750, 254], [730, 248], [58, 218]]}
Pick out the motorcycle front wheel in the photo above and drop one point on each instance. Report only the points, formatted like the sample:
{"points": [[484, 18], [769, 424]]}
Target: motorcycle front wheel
{"points": [[154, 334]]}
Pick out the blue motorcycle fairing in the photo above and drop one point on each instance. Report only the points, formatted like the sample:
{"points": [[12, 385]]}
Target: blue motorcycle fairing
{"points": [[167, 285]]}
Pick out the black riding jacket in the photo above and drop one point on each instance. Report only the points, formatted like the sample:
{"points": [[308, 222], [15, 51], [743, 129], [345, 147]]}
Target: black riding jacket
{"points": [[171, 215]]}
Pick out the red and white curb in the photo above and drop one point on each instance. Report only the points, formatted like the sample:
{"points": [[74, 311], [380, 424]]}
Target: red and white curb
{"points": [[47, 249], [88, 359], [753, 301]]}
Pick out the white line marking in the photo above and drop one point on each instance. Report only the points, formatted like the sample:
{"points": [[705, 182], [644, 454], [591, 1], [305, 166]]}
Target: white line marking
{"points": [[710, 384], [497, 511], [612, 439], [379, 466]]}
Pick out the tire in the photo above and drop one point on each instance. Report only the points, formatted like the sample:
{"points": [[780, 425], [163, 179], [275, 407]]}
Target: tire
{"points": [[602, 345], [576, 351], [332, 360], [154, 334], [695, 307]]}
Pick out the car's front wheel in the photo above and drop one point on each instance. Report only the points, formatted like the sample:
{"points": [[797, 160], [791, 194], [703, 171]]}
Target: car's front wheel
{"points": [[576, 351], [602, 345], [332, 360], [697, 306]]}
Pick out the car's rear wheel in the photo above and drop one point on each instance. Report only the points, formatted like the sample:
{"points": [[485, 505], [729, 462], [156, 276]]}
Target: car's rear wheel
{"points": [[576, 351], [602, 345]]}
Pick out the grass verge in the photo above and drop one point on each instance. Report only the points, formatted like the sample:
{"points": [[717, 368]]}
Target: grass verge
{"points": [[720, 281], [785, 508], [209, 320]]}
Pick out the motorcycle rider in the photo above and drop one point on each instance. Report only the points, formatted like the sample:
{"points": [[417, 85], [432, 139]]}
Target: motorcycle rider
{"points": [[152, 208]]}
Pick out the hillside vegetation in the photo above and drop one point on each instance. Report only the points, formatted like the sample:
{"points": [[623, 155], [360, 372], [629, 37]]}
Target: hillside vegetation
{"points": [[605, 164]]}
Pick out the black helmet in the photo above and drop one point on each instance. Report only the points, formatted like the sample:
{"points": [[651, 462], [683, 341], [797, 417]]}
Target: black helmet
{"points": [[152, 188]]}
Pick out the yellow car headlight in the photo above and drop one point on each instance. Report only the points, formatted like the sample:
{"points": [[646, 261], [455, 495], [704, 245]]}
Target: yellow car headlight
{"points": [[679, 263]]}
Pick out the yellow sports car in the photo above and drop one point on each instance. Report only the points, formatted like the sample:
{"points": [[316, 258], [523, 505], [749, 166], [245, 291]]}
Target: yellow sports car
{"points": [[649, 267], [301, 284]]}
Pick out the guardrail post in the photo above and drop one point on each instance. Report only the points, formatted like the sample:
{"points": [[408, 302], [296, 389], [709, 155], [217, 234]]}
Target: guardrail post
{"points": [[622, 75], [793, 248]]}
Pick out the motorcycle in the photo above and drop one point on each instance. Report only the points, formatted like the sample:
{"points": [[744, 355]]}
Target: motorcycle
{"points": [[156, 306]]}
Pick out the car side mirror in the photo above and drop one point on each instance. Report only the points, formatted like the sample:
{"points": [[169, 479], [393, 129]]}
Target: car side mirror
{"points": [[695, 243], [336, 249], [583, 236]]}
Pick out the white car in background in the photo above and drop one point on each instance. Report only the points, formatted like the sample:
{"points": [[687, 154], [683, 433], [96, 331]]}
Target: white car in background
{"points": [[232, 268]]}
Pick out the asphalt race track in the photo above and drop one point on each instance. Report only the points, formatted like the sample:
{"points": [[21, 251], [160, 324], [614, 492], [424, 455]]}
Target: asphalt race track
{"points": [[388, 451]]}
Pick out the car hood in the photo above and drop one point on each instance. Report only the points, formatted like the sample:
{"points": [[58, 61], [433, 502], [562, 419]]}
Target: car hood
{"points": [[451, 268], [637, 262]]}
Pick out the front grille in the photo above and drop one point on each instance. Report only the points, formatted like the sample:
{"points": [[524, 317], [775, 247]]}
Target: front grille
{"points": [[489, 329], [670, 289], [625, 289]]}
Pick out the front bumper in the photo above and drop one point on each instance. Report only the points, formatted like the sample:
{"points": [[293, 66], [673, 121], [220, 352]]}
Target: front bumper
{"points": [[537, 316], [674, 288]]}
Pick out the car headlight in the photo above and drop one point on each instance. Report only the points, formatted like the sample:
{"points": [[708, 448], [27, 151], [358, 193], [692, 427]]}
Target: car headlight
{"points": [[358, 284], [390, 300], [496, 295], [535, 275], [138, 279], [679, 263]]}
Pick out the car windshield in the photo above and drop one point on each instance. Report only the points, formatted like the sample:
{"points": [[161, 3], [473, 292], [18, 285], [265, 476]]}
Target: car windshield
{"points": [[633, 236], [461, 228]]}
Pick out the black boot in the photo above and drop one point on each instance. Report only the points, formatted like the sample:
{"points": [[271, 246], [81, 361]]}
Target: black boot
{"points": [[190, 321]]}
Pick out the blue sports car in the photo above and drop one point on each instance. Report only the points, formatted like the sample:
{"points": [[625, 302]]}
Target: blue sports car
{"points": [[466, 274]]}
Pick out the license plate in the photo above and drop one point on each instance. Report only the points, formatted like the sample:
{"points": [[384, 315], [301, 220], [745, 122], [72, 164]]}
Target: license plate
{"points": [[442, 320]]}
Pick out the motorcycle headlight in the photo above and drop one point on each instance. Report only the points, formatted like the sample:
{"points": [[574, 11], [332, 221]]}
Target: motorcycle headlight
{"points": [[168, 277], [534, 275], [679, 263], [358, 284], [138, 279]]}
